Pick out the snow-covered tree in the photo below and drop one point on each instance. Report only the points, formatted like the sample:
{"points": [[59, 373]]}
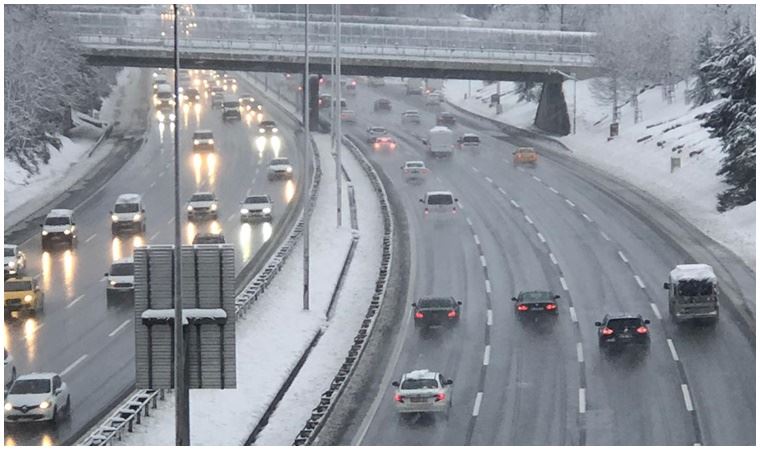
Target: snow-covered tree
{"points": [[731, 71], [701, 92]]}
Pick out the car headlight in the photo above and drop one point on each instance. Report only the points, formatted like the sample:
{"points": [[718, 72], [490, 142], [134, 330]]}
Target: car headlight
{"points": [[196, 142], [289, 169], [67, 232], [261, 130], [260, 107], [8, 406], [12, 264], [274, 130], [266, 210], [44, 233], [213, 207], [210, 142], [189, 207], [113, 283], [28, 298], [45, 404], [137, 217], [172, 117], [114, 217], [244, 211]]}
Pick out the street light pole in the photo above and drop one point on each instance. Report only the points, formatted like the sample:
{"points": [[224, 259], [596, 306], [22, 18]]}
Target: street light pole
{"points": [[338, 108], [307, 146], [182, 400]]}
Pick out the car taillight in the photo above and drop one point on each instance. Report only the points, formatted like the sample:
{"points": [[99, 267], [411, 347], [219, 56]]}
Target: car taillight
{"points": [[418, 315], [606, 331], [642, 330], [393, 145], [377, 145], [522, 307], [398, 398], [551, 307], [452, 313], [440, 396], [454, 210], [427, 211]]}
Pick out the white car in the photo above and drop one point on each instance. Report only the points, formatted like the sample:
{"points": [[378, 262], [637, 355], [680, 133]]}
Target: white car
{"points": [[414, 171], [59, 227], [439, 203], [10, 369], [14, 261], [202, 206], [434, 98], [37, 397], [411, 116], [423, 391], [374, 133], [203, 141], [121, 278], [469, 141], [348, 116], [279, 168], [128, 214], [256, 207]]}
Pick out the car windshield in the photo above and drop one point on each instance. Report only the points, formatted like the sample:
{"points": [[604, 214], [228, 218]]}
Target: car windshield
{"points": [[17, 286], [21, 387], [202, 198], [424, 383], [56, 221], [691, 288], [267, 123], [123, 269], [279, 161], [435, 303], [231, 104], [207, 135], [416, 165], [377, 130], [471, 139], [126, 207], [440, 199], [621, 324], [257, 199], [9, 252], [411, 113]]}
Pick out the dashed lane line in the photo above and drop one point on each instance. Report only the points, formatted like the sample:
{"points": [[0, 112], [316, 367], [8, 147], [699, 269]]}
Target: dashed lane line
{"points": [[469, 222], [640, 283], [541, 237], [502, 191], [656, 311], [72, 365], [152, 185], [553, 190], [687, 398], [564, 285], [489, 180], [477, 240], [90, 238], [572, 205], [536, 178], [604, 235], [475, 169], [119, 328], [672, 348], [230, 217], [528, 219], [489, 317], [588, 219], [573, 317], [487, 355], [482, 260], [476, 408], [554, 260], [582, 400], [488, 286], [514, 203], [579, 351], [622, 256], [75, 301], [154, 235]]}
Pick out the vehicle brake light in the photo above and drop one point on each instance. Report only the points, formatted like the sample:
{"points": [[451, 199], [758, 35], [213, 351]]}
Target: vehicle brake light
{"points": [[642, 330], [452, 313], [606, 331], [398, 398], [427, 211], [551, 307], [418, 315], [377, 145], [522, 307], [393, 145], [454, 210], [440, 396]]}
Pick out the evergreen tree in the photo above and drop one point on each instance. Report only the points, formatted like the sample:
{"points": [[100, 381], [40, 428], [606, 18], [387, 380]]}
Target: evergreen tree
{"points": [[702, 92], [731, 71]]}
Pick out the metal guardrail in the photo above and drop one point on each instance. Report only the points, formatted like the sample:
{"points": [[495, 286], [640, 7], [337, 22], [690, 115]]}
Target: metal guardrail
{"points": [[330, 397]]}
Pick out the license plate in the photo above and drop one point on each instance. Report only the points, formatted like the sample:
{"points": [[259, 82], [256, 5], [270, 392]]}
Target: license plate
{"points": [[415, 171], [625, 336], [418, 400]]}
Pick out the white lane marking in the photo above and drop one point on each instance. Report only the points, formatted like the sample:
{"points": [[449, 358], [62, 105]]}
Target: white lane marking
{"points": [[74, 364], [488, 287], [119, 328], [673, 351], [502, 191], [103, 279], [579, 351], [161, 174], [514, 203], [75, 301], [460, 205], [506, 160], [153, 236], [638, 280], [582, 400], [564, 285], [572, 205], [656, 311], [90, 238], [475, 169], [521, 169], [554, 260], [152, 185], [553, 190], [230, 217], [573, 317], [489, 317], [482, 260], [604, 235], [622, 256], [687, 397], [477, 241], [489, 180], [438, 179], [487, 355], [32, 334], [476, 408], [541, 237], [171, 220], [588, 219], [528, 219], [536, 178], [469, 222]]}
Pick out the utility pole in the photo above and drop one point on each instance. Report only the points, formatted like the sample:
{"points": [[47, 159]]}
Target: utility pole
{"points": [[307, 146], [182, 399], [338, 108]]}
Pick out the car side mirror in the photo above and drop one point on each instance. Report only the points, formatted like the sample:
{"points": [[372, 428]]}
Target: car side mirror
{"points": [[599, 324], [41, 225], [646, 321], [395, 383], [421, 201], [414, 305], [666, 285], [105, 274], [556, 297], [459, 303], [58, 391], [448, 382], [514, 299], [456, 199]]}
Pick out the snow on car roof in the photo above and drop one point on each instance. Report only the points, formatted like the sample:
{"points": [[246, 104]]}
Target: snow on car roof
{"points": [[128, 198], [129, 260], [439, 193], [420, 374], [409, 163], [693, 272], [470, 135], [202, 131], [37, 375], [440, 129], [13, 246], [60, 213]]}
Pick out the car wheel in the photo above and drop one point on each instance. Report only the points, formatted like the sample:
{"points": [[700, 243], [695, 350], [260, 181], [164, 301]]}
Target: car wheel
{"points": [[68, 406], [54, 420], [13, 375]]}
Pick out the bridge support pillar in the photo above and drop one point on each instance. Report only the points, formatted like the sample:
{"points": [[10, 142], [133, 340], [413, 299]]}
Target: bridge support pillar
{"points": [[551, 114]]}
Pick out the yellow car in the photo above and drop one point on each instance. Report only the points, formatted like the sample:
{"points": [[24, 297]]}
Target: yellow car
{"points": [[524, 155], [23, 294]]}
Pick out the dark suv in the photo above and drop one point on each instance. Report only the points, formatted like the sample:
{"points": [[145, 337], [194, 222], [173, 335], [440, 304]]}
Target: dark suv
{"points": [[435, 311], [621, 330], [382, 104], [446, 119]]}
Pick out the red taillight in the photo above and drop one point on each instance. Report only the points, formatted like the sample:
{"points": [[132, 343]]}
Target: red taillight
{"points": [[522, 307], [353, 83], [377, 146], [606, 331], [398, 398], [393, 145], [452, 313], [551, 307], [454, 210], [427, 211], [418, 315], [440, 396], [642, 330]]}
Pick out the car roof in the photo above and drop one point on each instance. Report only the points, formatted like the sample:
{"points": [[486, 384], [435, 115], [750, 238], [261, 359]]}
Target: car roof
{"points": [[203, 131], [441, 129], [128, 198], [415, 162], [436, 297], [420, 374], [470, 135], [693, 272], [36, 376], [129, 260], [13, 246], [203, 193], [445, 113], [279, 160], [377, 127], [411, 111], [60, 213], [379, 100], [439, 193], [258, 196], [20, 279], [525, 149], [267, 122], [547, 294]]}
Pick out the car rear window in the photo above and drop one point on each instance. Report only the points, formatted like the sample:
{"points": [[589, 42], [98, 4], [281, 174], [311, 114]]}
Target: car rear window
{"points": [[9, 252], [21, 387], [55, 221], [619, 324], [418, 165], [440, 199], [207, 135], [268, 123], [257, 199], [535, 296], [126, 207], [17, 286], [279, 161], [425, 383], [231, 104], [122, 269], [471, 139], [435, 303], [202, 198], [692, 288], [377, 130]]}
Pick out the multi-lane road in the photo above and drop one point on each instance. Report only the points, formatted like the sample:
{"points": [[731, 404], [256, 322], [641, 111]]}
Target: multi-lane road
{"points": [[91, 342]]}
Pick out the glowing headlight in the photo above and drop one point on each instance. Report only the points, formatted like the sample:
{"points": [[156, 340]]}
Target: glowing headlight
{"points": [[196, 142], [8, 406], [12, 264], [172, 117], [259, 107], [213, 207], [274, 130], [266, 210], [261, 130], [210, 142], [243, 211], [44, 233], [113, 283], [137, 217], [28, 298], [189, 207], [45, 404], [67, 232], [114, 217], [290, 169]]}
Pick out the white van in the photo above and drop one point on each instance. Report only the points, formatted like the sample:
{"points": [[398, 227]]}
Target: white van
{"points": [[469, 141], [440, 142], [439, 203]]}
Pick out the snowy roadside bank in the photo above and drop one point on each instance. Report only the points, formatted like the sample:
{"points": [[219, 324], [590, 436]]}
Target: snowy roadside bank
{"points": [[25, 194], [641, 154]]}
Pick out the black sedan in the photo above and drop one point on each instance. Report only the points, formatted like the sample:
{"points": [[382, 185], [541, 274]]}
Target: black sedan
{"points": [[268, 127], [536, 302], [208, 238], [446, 119], [436, 311], [382, 104], [623, 330]]}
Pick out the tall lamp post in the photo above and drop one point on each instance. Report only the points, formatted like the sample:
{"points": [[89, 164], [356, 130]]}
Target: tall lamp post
{"points": [[307, 143], [339, 109]]}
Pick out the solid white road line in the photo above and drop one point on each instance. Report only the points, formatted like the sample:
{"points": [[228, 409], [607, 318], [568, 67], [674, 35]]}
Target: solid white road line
{"points": [[514, 203], [541, 237], [75, 301], [638, 280], [536, 178], [673, 351], [573, 317], [460, 205], [582, 400], [489, 317], [476, 408], [477, 241], [554, 260], [572, 205], [604, 235], [656, 311], [553, 190], [153, 236], [502, 191], [438, 179], [687, 397], [103, 279], [74, 364], [588, 219], [528, 219], [161, 174], [487, 355], [489, 180], [564, 285], [119, 328], [488, 287], [622, 256], [90, 238], [482, 260], [579, 351], [469, 222]]}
